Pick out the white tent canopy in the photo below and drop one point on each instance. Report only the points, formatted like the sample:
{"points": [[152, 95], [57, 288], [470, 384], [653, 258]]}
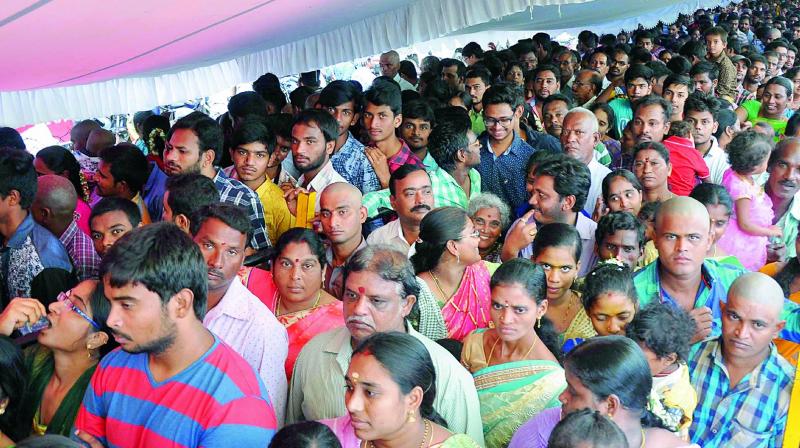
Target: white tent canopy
{"points": [[65, 59]]}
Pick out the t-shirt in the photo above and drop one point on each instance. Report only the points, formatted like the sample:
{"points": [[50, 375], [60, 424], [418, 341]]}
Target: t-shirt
{"points": [[753, 107], [687, 165], [217, 401]]}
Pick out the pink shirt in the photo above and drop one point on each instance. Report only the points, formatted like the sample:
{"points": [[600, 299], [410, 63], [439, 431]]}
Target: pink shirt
{"points": [[241, 321]]}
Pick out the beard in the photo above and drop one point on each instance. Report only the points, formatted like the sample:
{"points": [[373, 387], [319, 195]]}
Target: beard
{"points": [[163, 342]]}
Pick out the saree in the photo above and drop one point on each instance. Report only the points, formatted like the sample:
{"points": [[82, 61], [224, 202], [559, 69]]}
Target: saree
{"points": [[41, 366], [579, 330], [512, 393], [468, 308], [343, 430]]}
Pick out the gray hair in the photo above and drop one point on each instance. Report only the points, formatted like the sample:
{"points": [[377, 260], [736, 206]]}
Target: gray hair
{"points": [[490, 200], [595, 127], [387, 263]]}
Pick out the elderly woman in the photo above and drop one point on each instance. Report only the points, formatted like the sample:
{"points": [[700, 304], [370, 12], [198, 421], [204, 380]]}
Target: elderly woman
{"points": [[491, 217]]}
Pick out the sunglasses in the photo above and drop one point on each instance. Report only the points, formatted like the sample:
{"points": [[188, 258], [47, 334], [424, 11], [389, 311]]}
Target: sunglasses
{"points": [[63, 297]]}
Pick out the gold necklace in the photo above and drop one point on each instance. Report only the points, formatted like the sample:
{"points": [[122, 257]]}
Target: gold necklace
{"points": [[524, 357], [642, 445], [278, 304], [565, 317], [445, 297], [427, 436]]}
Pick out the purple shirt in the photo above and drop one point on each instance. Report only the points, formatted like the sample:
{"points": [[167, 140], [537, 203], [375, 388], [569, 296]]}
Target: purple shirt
{"points": [[536, 432], [81, 251]]}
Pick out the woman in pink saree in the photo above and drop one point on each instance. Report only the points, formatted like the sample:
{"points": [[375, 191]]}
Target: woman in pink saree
{"points": [[293, 290], [449, 263]]}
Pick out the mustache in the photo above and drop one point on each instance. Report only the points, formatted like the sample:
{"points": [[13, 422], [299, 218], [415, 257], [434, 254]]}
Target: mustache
{"points": [[121, 334], [788, 183], [357, 319], [216, 272], [420, 207]]}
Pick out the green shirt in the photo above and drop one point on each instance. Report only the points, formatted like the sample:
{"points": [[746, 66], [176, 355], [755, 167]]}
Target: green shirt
{"points": [[753, 107], [623, 113], [601, 154], [788, 224], [317, 389], [476, 118]]}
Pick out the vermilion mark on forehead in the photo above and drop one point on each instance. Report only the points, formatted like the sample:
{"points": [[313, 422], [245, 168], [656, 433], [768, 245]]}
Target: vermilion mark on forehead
{"points": [[361, 290]]}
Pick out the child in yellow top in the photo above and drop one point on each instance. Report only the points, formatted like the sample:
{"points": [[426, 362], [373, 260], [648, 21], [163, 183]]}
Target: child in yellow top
{"points": [[664, 334]]}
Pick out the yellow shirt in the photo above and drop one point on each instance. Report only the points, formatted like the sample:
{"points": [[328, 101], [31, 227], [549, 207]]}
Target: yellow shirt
{"points": [[277, 217]]}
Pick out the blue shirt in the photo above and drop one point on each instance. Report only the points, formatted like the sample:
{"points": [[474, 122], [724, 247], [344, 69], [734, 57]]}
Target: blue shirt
{"points": [[750, 414], [232, 191], [153, 192], [351, 163], [504, 175]]}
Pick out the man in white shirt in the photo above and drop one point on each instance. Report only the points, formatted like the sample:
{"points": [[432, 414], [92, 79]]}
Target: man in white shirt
{"points": [[234, 314], [313, 140], [390, 66], [579, 136], [412, 199], [701, 112]]}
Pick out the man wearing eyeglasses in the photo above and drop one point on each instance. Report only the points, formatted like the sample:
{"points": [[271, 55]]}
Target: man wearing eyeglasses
{"points": [[504, 154], [586, 87]]}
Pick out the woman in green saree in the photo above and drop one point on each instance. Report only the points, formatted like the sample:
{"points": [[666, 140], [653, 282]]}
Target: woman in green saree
{"points": [[62, 363], [516, 363]]}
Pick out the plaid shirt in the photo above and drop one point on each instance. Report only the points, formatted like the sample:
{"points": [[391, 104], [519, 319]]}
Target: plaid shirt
{"points": [[752, 413], [234, 192], [448, 192], [81, 251], [504, 175], [403, 157], [352, 163]]}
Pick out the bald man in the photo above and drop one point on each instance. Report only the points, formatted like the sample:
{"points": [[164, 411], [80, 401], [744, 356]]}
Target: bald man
{"points": [[341, 215], [579, 137], [53, 208], [743, 382], [390, 66]]}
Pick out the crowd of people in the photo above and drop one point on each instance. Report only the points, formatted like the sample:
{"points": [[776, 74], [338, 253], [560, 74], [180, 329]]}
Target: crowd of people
{"points": [[528, 247]]}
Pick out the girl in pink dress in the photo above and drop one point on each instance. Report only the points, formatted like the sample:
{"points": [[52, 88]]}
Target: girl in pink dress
{"points": [[751, 226]]}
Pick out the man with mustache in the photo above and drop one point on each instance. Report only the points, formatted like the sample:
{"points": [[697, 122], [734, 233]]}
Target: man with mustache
{"points": [[233, 313], [412, 199], [415, 129], [745, 383], [380, 290], [638, 84], [194, 145], [782, 187], [156, 283], [476, 81]]}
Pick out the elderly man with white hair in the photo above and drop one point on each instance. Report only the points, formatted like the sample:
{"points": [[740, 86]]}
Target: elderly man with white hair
{"points": [[744, 383], [579, 136], [390, 66]]}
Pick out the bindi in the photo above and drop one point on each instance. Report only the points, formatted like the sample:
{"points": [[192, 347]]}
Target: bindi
{"points": [[361, 290]]}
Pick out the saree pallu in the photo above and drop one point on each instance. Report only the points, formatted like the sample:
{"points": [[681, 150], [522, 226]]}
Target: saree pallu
{"points": [[302, 326], [343, 430], [511, 394], [468, 308]]}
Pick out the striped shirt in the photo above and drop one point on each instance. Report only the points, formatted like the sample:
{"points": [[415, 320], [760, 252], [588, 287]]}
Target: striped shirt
{"points": [[752, 413], [448, 192], [232, 191], [217, 401]]}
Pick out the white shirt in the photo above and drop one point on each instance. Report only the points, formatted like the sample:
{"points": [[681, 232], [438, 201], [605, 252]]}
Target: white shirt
{"points": [[585, 227], [252, 331], [717, 161], [404, 85], [326, 176], [392, 235], [598, 172]]}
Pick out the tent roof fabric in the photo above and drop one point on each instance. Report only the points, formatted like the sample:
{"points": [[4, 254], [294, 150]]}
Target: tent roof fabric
{"points": [[101, 57]]}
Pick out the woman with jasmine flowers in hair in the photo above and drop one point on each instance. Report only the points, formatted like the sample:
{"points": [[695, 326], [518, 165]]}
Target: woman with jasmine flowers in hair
{"points": [[609, 297]]}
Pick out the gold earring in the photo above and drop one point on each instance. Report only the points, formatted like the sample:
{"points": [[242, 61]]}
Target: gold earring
{"points": [[411, 418]]}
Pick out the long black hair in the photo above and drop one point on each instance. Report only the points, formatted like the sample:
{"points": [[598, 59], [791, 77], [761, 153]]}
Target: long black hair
{"points": [[531, 276], [13, 382], [437, 228], [59, 160], [615, 365], [409, 364]]}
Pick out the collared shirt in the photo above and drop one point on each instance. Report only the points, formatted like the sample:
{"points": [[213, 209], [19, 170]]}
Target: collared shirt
{"points": [[245, 324], [232, 191], [404, 85], [476, 118], [153, 192], [788, 224], [391, 235], [448, 192], [351, 162], [752, 413], [585, 228], [277, 216], [81, 251], [623, 113], [377, 200], [326, 176], [33, 263], [334, 281], [717, 161], [403, 157], [315, 396], [726, 86], [598, 173], [504, 175]]}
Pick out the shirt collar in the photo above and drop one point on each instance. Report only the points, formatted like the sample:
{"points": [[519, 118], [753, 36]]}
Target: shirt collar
{"points": [[754, 377], [715, 150], [22, 232], [320, 181], [68, 234], [794, 207], [233, 303]]}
